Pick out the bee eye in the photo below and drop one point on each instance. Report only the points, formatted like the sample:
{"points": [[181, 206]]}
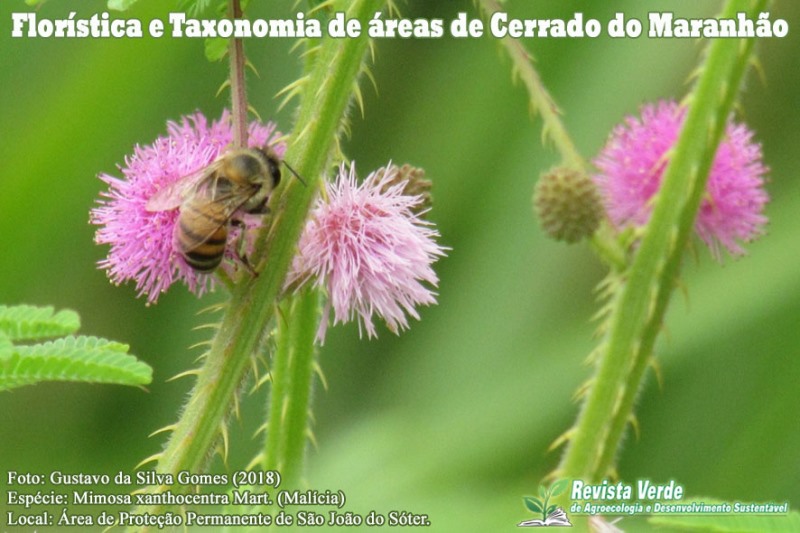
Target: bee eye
{"points": [[275, 172]]}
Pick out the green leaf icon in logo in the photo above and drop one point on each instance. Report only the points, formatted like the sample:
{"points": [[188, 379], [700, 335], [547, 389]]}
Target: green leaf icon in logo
{"points": [[535, 505], [559, 487], [540, 505]]}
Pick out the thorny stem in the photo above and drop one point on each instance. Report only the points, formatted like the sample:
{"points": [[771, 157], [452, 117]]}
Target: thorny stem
{"points": [[540, 101], [241, 333], [639, 307], [327, 90], [293, 376], [237, 78]]}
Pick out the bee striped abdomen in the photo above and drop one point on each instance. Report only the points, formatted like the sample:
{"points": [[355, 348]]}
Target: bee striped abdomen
{"points": [[202, 235]]}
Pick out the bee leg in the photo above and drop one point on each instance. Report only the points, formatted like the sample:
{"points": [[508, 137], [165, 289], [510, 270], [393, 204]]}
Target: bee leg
{"points": [[261, 209], [241, 253], [247, 266]]}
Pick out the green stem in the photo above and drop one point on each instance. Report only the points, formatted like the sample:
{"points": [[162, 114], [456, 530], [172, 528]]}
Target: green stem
{"points": [[608, 247], [540, 100], [279, 385], [287, 429], [324, 102], [639, 309]]}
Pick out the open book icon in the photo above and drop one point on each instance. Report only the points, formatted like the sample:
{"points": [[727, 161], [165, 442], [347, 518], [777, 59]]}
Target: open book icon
{"points": [[557, 518]]}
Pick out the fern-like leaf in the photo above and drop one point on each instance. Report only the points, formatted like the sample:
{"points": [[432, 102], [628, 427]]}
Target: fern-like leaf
{"points": [[85, 359], [6, 346], [26, 322]]}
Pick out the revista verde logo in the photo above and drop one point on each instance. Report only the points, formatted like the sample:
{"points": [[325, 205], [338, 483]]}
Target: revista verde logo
{"points": [[547, 514]]}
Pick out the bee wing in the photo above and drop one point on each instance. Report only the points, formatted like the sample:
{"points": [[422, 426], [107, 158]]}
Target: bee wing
{"points": [[173, 195], [217, 208]]}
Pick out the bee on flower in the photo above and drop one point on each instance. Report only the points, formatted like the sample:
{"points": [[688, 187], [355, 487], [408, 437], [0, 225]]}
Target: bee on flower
{"points": [[146, 240]]}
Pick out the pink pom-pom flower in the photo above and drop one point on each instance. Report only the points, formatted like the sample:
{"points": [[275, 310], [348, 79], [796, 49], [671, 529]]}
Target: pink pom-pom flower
{"points": [[369, 249], [632, 166]]}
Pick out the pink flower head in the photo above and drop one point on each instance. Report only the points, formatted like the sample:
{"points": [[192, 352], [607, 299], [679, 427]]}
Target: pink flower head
{"points": [[632, 165], [366, 246], [142, 241]]}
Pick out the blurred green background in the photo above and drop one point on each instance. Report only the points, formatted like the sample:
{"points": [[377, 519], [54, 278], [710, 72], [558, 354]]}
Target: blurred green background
{"points": [[454, 417]]}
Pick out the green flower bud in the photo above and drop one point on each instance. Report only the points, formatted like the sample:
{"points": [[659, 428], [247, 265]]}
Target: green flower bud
{"points": [[567, 204], [414, 184]]}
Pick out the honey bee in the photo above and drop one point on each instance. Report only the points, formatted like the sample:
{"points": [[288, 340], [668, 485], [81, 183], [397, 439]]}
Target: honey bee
{"points": [[239, 181]]}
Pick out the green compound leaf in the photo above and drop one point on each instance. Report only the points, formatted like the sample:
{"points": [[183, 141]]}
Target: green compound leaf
{"points": [[6, 347], [533, 504], [27, 322], [84, 359]]}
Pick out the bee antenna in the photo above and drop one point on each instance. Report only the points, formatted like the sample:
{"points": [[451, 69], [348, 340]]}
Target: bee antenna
{"points": [[296, 175]]}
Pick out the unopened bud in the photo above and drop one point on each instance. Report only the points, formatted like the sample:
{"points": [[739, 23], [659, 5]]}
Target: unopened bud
{"points": [[567, 204], [413, 182]]}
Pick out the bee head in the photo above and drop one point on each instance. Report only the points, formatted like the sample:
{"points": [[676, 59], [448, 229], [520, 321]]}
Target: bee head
{"points": [[242, 167], [273, 163]]}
